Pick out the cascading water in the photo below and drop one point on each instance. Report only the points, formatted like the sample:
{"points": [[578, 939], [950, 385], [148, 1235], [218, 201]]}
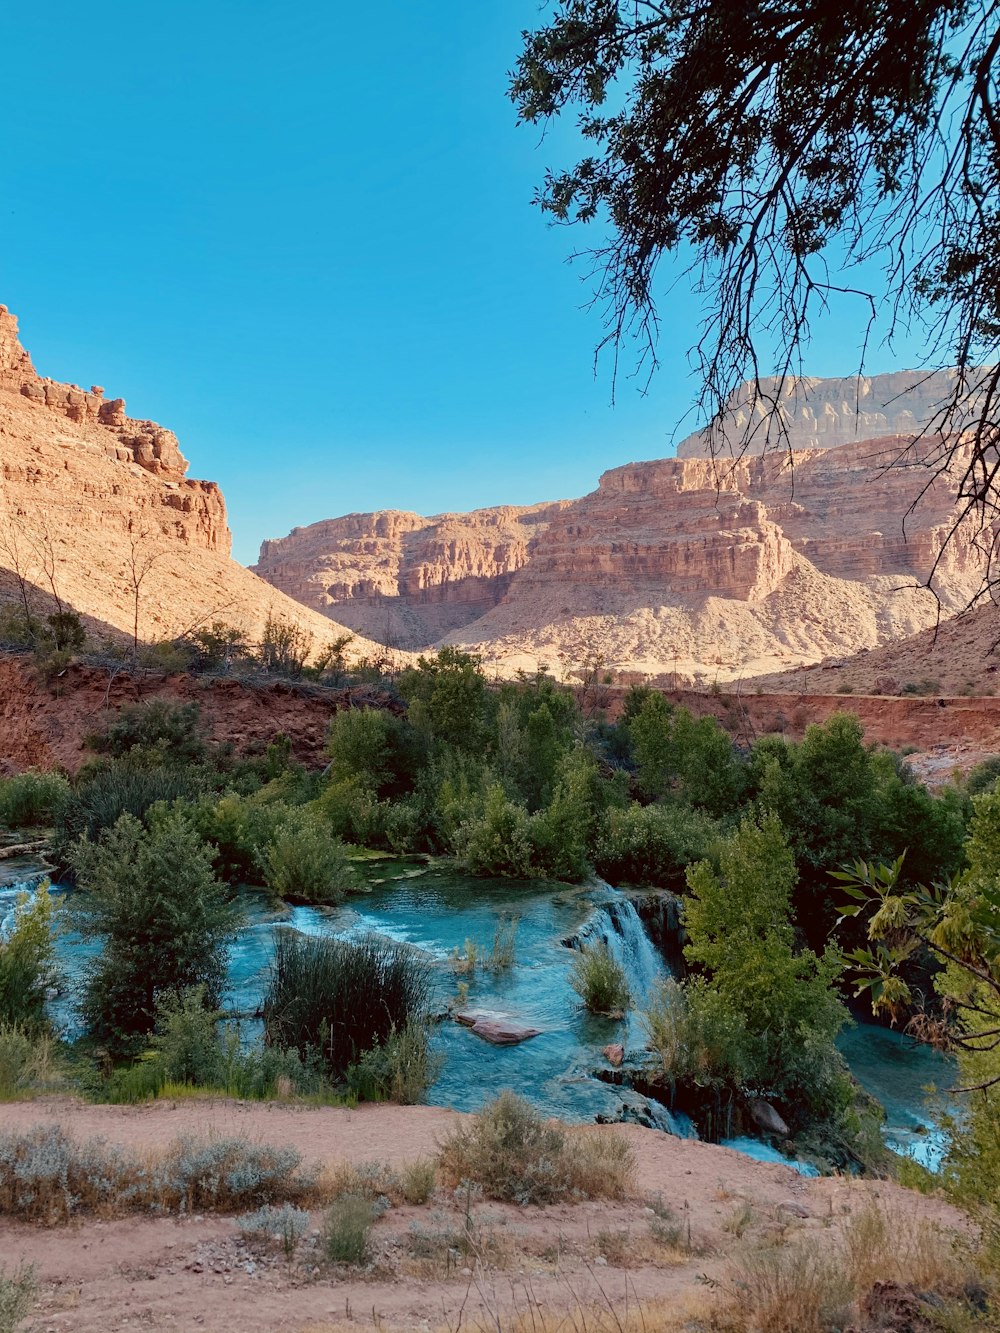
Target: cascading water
{"points": [[435, 910], [618, 925]]}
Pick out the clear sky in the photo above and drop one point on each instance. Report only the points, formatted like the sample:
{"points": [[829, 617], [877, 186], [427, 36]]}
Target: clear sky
{"points": [[301, 237]]}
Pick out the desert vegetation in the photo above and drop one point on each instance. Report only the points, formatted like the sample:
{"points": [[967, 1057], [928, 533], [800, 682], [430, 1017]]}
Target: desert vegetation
{"points": [[163, 832]]}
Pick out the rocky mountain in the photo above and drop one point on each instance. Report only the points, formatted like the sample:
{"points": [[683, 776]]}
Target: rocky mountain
{"points": [[90, 498], [797, 412], [688, 568]]}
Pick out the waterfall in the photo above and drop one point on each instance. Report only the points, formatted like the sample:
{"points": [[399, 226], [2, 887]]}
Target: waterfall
{"points": [[618, 925]]}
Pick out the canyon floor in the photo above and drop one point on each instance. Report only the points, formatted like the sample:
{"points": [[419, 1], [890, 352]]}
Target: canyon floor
{"points": [[197, 1274]]}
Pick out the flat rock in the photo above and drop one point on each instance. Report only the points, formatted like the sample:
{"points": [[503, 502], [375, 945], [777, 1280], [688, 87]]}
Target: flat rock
{"points": [[502, 1031]]}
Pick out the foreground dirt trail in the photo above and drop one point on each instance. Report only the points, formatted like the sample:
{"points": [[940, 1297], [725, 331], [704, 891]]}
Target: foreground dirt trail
{"points": [[197, 1274]]}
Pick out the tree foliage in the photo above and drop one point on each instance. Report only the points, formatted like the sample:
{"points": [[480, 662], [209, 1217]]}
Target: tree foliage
{"points": [[165, 920], [787, 156]]}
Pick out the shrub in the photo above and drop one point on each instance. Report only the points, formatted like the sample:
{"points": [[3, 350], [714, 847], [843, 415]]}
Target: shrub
{"points": [[165, 919], [18, 1293], [26, 960], [32, 798], [651, 844], [186, 1043], [28, 1062], [340, 999], [304, 862], [418, 1179], [600, 981], [284, 648], [695, 1035], [789, 1289], [121, 787], [515, 1155], [156, 732], [241, 830], [348, 1224], [399, 1069], [285, 1225], [47, 1176], [499, 842]]}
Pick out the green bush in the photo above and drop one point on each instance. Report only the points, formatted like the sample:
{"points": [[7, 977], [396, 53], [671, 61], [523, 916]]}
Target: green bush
{"points": [[305, 862], [240, 829], [600, 981], [348, 1224], [335, 999], [499, 842], [158, 732], [32, 798], [399, 1069], [651, 844], [110, 789], [186, 1043], [165, 919], [27, 957]]}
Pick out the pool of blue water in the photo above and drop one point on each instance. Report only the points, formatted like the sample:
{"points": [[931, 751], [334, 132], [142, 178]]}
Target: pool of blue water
{"points": [[434, 908]]}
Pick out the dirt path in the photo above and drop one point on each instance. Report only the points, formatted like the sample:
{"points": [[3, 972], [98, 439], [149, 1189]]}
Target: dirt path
{"points": [[197, 1274]]}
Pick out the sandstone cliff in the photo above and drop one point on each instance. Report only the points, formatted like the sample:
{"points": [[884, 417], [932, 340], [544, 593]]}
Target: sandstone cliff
{"points": [[798, 412], [680, 568], [86, 492]]}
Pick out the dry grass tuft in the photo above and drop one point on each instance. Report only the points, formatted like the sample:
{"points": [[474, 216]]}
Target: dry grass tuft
{"points": [[514, 1155]]}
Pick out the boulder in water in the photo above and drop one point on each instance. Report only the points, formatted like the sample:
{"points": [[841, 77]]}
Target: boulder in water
{"points": [[497, 1028], [766, 1118], [614, 1054]]}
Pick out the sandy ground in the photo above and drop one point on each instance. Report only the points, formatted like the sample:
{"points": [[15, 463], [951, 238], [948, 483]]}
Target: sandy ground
{"points": [[198, 1274]]}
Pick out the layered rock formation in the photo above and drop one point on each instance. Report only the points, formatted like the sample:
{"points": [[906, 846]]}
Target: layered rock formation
{"points": [[691, 568], [413, 579], [90, 498], [797, 412]]}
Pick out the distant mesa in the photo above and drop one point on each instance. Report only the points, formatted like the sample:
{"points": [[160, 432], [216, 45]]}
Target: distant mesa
{"points": [[688, 569], [796, 412]]}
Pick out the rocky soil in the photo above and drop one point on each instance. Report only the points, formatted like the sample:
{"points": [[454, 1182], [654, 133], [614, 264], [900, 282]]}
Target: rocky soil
{"points": [[430, 1267]]}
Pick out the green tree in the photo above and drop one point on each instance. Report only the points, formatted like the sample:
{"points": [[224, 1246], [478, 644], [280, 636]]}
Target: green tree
{"points": [[740, 935], [447, 697], [958, 921], [652, 733], [164, 918], [27, 956], [785, 155], [369, 745]]}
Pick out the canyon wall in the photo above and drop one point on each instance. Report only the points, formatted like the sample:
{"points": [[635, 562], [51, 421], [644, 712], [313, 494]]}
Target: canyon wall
{"points": [[688, 568], [798, 412], [90, 497]]}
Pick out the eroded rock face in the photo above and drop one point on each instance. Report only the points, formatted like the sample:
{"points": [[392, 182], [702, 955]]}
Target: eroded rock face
{"points": [[86, 492], [128, 441], [687, 569], [800, 412]]}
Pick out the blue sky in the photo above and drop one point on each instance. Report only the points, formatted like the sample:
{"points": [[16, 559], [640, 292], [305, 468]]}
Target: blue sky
{"points": [[301, 237]]}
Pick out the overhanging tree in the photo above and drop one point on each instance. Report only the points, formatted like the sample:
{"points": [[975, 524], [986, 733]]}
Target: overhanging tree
{"points": [[784, 152]]}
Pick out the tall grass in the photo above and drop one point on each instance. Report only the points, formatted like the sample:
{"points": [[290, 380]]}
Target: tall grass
{"points": [[18, 1293], [32, 798], [29, 1063], [600, 981], [341, 999]]}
